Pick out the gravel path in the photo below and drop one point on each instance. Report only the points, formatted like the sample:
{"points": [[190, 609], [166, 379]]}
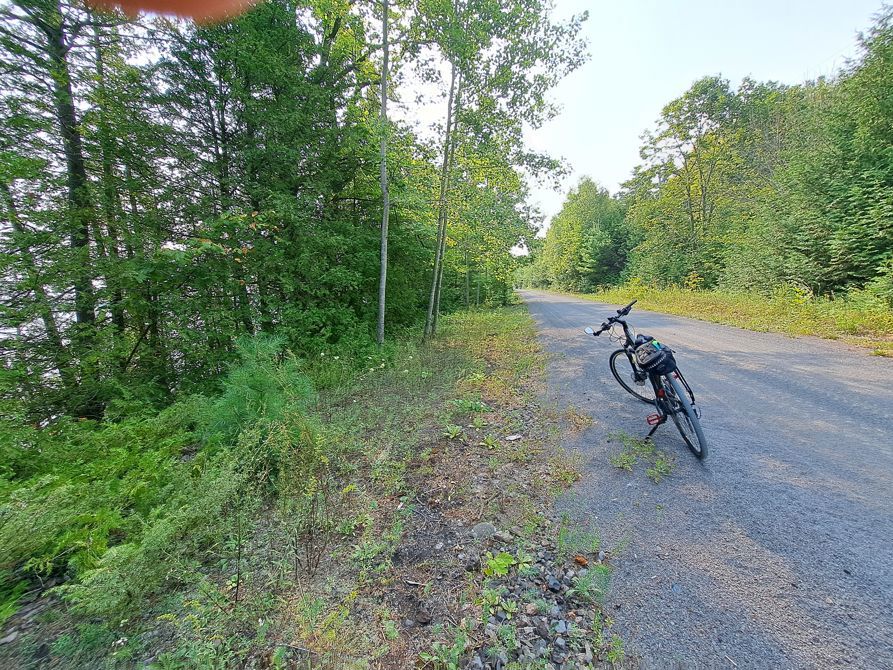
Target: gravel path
{"points": [[777, 551]]}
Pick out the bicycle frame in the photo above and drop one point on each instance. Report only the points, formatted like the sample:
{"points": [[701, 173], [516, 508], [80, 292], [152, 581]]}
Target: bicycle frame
{"points": [[673, 396], [663, 407], [628, 346]]}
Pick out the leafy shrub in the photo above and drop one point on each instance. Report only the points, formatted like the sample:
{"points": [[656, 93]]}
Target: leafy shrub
{"points": [[126, 509], [265, 384]]}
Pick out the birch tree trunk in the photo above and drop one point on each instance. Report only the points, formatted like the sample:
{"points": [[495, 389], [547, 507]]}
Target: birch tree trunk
{"points": [[385, 201], [441, 216]]}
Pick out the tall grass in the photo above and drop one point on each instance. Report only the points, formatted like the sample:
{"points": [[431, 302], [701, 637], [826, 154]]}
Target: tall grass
{"points": [[859, 318]]}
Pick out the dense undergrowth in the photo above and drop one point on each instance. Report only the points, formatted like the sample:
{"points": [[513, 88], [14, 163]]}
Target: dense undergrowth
{"points": [[860, 318], [250, 527]]}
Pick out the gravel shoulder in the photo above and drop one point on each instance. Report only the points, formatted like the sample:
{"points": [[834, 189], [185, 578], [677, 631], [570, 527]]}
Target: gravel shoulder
{"points": [[774, 553]]}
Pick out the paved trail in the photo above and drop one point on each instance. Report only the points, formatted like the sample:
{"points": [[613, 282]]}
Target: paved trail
{"points": [[777, 551]]}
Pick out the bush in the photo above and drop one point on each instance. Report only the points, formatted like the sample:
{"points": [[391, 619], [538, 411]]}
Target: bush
{"points": [[125, 509]]}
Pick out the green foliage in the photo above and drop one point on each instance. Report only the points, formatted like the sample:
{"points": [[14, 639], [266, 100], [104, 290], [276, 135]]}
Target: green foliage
{"points": [[127, 507], [754, 190], [498, 565], [267, 383], [862, 313], [575, 540], [452, 431], [593, 586], [587, 242], [447, 655]]}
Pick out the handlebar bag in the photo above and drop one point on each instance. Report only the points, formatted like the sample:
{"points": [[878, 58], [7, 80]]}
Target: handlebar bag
{"points": [[655, 357]]}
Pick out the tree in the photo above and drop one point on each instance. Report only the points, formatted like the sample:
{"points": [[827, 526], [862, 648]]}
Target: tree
{"points": [[385, 203]]}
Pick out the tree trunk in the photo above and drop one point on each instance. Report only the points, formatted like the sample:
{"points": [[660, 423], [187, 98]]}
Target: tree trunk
{"points": [[385, 200], [78, 195], [109, 192], [467, 280], [441, 222], [445, 206]]}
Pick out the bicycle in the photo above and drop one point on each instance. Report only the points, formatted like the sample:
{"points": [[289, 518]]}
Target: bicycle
{"points": [[655, 379]]}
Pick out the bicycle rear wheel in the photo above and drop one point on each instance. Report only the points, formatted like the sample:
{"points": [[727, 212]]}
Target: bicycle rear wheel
{"points": [[626, 376], [685, 417]]}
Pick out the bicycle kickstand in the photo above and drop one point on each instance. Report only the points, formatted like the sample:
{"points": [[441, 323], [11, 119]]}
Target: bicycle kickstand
{"points": [[654, 420]]}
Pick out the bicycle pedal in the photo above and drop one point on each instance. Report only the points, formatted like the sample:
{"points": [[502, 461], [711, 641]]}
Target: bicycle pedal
{"points": [[653, 419]]}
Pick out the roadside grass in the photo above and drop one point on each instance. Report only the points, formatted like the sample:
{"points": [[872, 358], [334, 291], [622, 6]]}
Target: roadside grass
{"points": [[658, 464], [861, 321], [333, 516]]}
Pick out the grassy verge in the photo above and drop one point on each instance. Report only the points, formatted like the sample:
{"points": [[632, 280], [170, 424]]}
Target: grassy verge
{"points": [[866, 324], [318, 511]]}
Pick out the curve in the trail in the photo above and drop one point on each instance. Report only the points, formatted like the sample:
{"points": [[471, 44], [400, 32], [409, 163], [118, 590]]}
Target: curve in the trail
{"points": [[775, 552]]}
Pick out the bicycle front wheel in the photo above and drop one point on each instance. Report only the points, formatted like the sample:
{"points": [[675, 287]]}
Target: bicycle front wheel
{"points": [[685, 417], [635, 381]]}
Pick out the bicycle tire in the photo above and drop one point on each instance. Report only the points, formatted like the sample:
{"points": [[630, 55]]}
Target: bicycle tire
{"points": [[635, 390], [696, 434]]}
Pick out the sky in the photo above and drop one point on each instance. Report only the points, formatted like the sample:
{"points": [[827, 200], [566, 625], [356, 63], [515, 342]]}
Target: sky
{"points": [[645, 53]]}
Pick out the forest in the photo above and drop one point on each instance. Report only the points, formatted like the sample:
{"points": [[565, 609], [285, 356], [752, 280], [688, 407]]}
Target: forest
{"points": [[762, 189], [205, 227]]}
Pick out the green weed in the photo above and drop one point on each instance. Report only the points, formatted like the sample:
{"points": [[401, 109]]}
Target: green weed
{"points": [[575, 540], [498, 565], [452, 431]]}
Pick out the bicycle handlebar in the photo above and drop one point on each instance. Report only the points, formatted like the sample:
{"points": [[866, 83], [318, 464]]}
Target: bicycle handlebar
{"points": [[623, 311]]}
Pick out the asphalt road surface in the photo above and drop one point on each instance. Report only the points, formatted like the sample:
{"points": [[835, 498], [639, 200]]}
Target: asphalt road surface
{"points": [[777, 550]]}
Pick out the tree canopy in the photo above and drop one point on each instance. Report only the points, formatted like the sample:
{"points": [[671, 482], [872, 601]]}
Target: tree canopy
{"points": [[754, 188]]}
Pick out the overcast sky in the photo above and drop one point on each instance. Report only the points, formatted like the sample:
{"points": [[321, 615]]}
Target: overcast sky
{"points": [[647, 52]]}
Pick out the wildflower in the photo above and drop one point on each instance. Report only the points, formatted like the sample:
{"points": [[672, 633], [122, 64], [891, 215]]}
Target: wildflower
{"points": [[337, 357], [381, 366]]}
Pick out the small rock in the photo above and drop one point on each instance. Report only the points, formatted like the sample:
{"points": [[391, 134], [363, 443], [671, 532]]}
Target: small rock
{"points": [[559, 643], [502, 536], [476, 663], [483, 530], [553, 584], [9, 638], [601, 556], [561, 627], [542, 630]]}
